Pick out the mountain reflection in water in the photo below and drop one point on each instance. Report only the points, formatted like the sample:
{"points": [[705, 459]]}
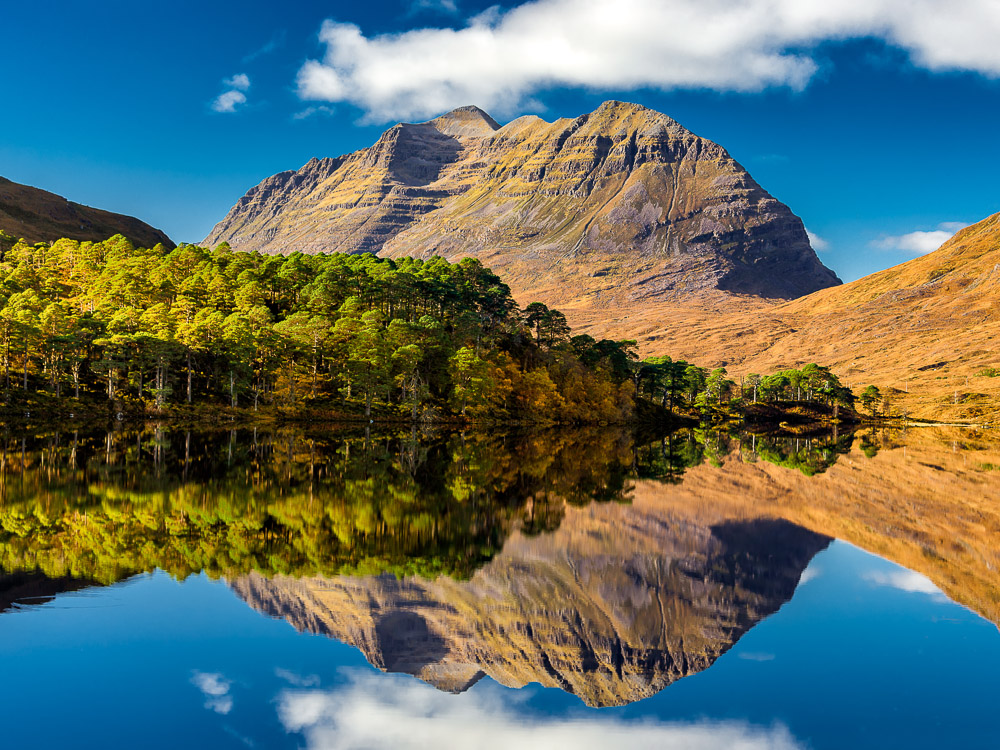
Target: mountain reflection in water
{"points": [[597, 561], [616, 604]]}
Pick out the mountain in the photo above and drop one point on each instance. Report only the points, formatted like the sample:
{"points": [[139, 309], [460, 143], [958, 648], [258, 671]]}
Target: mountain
{"points": [[616, 206], [926, 331], [615, 605], [39, 216]]}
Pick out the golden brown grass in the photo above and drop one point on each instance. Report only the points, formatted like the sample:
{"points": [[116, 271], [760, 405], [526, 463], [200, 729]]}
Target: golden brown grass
{"points": [[924, 331]]}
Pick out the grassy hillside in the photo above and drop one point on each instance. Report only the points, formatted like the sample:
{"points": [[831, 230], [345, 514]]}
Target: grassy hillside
{"points": [[927, 331]]}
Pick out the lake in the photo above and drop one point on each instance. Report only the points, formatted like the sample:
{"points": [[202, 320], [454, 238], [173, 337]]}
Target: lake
{"points": [[328, 587]]}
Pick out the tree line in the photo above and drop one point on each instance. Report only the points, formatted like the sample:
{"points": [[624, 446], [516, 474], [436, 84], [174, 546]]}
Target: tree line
{"points": [[154, 328], [676, 383], [342, 335]]}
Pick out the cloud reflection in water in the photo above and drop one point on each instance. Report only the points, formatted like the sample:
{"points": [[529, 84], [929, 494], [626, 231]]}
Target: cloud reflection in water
{"points": [[390, 711]]}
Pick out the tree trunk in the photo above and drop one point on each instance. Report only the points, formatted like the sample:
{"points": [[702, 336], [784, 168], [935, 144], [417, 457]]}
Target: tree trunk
{"points": [[414, 391], [189, 376], [232, 388]]}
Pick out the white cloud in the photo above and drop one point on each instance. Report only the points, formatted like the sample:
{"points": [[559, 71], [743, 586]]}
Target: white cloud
{"points": [[240, 81], [501, 57], [233, 97], [809, 574], [216, 690], [229, 101], [817, 242], [390, 711], [952, 226], [905, 580], [920, 242]]}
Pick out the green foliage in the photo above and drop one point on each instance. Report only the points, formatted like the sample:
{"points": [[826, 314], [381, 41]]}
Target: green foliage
{"points": [[145, 329], [810, 455], [811, 383], [989, 372], [871, 397], [714, 398]]}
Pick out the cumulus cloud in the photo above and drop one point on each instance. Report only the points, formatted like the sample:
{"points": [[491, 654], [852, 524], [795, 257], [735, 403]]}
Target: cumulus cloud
{"points": [[921, 242], [229, 100], [817, 242], [216, 690], [905, 580], [390, 711], [500, 58]]}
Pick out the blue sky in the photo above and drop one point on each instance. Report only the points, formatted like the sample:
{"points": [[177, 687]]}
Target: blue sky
{"points": [[875, 121]]}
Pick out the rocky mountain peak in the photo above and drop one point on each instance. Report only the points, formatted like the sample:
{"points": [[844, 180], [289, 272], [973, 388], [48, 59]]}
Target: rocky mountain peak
{"points": [[619, 206], [466, 122]]}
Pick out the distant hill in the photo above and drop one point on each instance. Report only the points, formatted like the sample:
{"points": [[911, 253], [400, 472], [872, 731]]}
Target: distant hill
{"points": [[40, 216], [617, 206], [929, 329]]}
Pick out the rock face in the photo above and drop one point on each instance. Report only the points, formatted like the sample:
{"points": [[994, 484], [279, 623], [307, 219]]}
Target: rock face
{"points": [[618, 205], [39, 216], [614, 606]]}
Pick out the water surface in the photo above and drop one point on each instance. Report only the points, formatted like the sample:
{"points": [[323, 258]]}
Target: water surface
{"points": [[331, 589]]}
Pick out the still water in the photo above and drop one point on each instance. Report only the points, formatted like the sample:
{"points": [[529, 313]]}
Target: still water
{"points": [[326, 588]]}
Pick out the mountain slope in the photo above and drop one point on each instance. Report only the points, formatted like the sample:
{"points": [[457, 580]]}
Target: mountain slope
{"points": [[926, 330], [618, 205], [40, 216]]}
